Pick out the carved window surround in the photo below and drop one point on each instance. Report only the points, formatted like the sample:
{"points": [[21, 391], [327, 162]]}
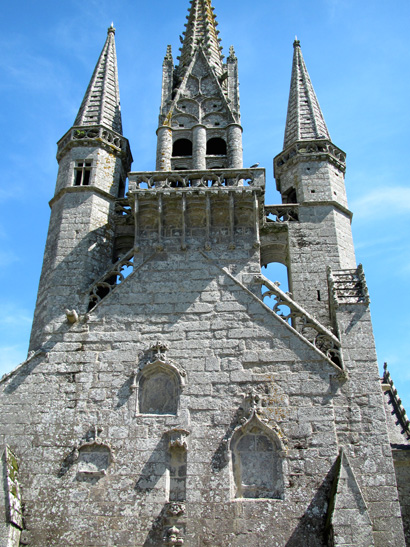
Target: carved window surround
{"points": [[158, 384], [93, 458], [257, 459]]}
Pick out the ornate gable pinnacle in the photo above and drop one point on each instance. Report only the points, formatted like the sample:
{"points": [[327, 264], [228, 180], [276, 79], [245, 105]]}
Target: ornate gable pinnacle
{"points": [[168, 55], [201, 30], [232, 56]]}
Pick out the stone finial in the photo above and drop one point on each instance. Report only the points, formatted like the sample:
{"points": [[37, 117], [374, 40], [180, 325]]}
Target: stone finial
{"points": [[232, 55], [111, 29], [173, 536], [168, 55], [159, 350], [176, 509]]}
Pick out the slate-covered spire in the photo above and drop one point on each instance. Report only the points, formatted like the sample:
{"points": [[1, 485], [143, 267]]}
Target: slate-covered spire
{"points": [[305, 119], [201, 31], [101, 103]]}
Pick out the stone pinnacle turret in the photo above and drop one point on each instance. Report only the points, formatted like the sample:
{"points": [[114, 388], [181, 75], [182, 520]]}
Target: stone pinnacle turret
{"points": [[201, 31], [101, 103], [304, 120]]}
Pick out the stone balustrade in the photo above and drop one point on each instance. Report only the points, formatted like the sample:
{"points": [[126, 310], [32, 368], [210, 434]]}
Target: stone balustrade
{"points": [[211, 178]]}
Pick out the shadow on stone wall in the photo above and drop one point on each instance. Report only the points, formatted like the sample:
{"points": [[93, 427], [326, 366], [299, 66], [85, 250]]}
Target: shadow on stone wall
{"points": [[310, 531], [154, 468], [155, 535]]}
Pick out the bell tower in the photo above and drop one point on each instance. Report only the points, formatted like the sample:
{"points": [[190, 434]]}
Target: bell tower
{"points": [[174, 395], [310, 173], [199, 122], [94, 158]]}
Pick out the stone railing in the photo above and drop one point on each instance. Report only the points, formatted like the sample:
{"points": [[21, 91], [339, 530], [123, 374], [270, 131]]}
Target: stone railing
{"points": [[103, 287], [348, 286], [80, 135], [307, 326], [311, 150], [212, 178], [281, 213], [123, 211]]}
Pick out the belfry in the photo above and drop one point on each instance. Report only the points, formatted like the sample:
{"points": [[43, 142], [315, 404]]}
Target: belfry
{"points": [[173, 395]]}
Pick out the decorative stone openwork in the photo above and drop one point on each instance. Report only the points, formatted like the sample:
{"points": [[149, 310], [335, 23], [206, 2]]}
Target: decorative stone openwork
{"points": [[83, 136], [200, 178], [257, 454], [280, 213], [107, 283], [317, 150], [307, 326], [158, 384]]}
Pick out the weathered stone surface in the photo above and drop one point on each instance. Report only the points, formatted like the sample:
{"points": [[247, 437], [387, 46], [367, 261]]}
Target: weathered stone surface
{"points": [[165, 402]]}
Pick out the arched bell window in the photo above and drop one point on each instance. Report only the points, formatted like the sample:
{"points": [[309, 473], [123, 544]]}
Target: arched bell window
{"points": [[182, 147], [216, 147]]}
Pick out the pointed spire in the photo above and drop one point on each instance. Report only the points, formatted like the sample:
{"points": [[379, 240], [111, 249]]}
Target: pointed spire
{"points": [[101, 103], [201, 31], [305, 119]]}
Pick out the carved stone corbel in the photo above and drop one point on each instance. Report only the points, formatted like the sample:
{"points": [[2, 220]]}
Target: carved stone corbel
{"points": [[178, 439], [173, 536]]}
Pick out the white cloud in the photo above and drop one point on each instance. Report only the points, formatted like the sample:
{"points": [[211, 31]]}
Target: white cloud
{"points": [[19, 318], [7, 258], [10, 357], [382, 204]]}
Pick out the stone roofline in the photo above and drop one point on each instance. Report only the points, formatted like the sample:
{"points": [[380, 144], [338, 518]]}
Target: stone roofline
{"points": [[400, 411]]}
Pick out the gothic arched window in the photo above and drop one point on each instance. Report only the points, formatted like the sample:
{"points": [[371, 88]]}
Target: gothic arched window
{"points": [[216, 147], [182, 147], [159, 388], [256, 463]]}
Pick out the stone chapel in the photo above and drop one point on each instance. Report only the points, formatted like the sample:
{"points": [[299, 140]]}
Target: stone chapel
{"points": [[172, 394]]}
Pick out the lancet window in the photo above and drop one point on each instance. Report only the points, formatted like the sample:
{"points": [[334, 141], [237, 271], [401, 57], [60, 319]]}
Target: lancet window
{"points": [[82, 172], [257, 463]]}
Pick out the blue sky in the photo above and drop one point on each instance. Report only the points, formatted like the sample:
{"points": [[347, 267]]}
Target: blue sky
{"points": [[358, 57]]}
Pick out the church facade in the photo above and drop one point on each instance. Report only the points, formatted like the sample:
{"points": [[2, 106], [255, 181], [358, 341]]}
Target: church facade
{"points": [[173, 395]]}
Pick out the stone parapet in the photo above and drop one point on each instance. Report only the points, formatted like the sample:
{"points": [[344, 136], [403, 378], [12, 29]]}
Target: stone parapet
{"points": [[90, 136], [317, 150], [197, 178]]}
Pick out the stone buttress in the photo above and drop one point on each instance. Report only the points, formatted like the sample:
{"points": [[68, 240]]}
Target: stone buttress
{"points": [[174, 395]]}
